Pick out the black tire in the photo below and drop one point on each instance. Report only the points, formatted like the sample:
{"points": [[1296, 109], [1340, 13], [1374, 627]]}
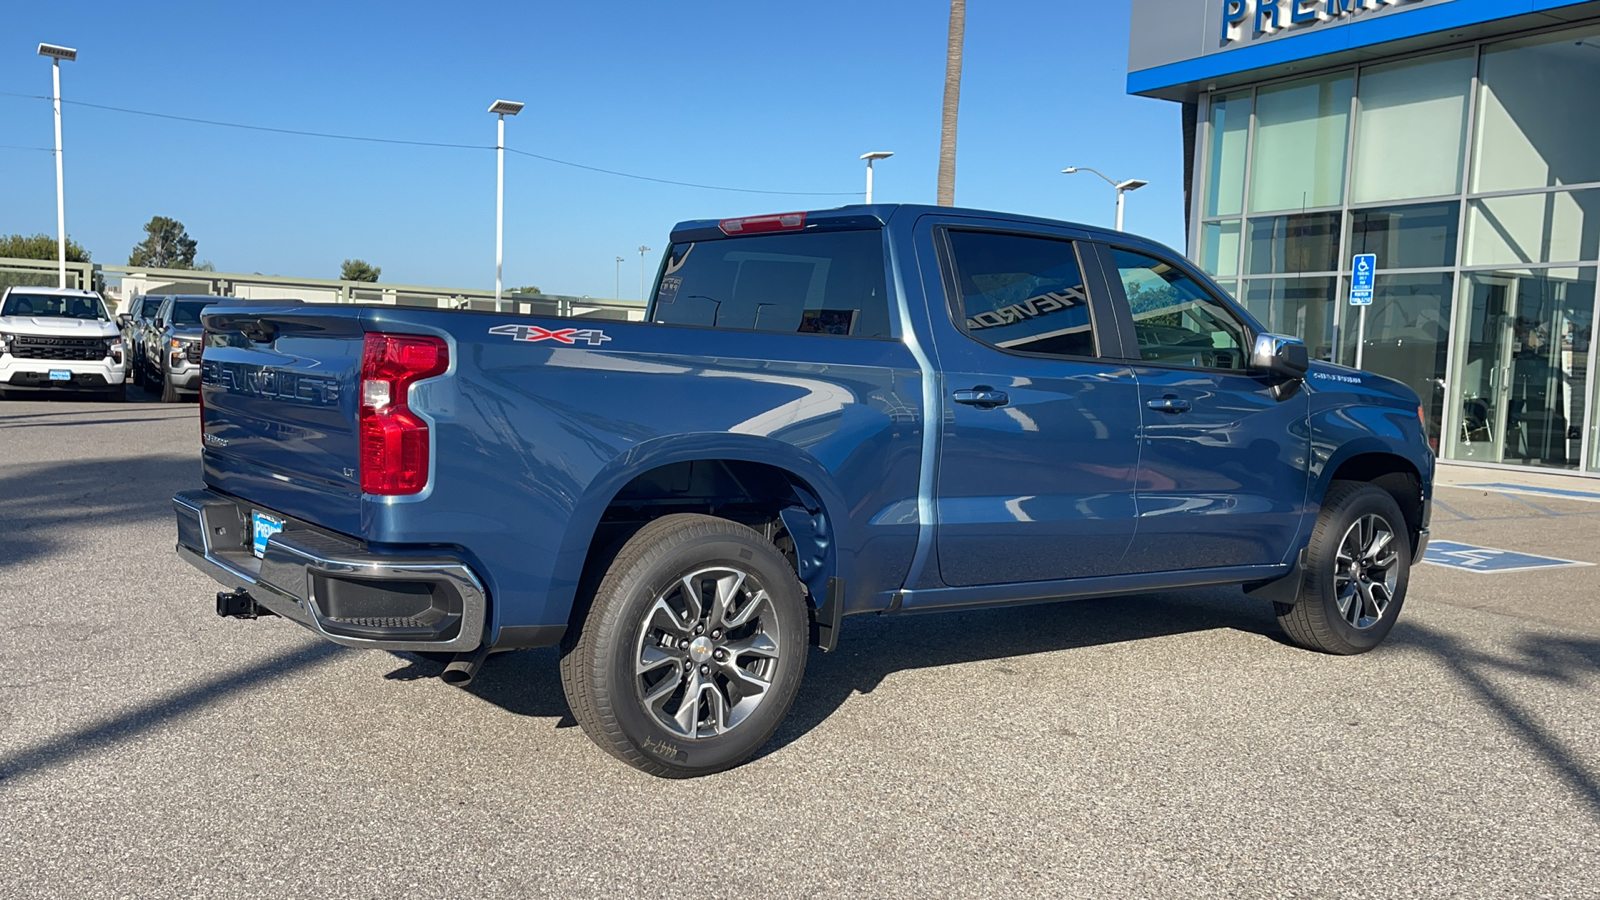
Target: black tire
{"points": [[136, 371], [641, 607], [115, 395], [169, 394], [1341, 608], [147, 379]]}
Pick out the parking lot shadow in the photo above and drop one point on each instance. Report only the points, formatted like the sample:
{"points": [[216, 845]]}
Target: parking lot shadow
{"points": [[41, 504], [146, 717], [1544, 657]]}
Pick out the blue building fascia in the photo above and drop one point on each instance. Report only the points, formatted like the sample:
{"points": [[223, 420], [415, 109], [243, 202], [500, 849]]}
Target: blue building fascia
{"points": [[1330, 41]]}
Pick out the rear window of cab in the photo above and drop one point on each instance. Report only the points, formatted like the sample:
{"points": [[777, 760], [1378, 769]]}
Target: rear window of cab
{"points": [[828, 282]]}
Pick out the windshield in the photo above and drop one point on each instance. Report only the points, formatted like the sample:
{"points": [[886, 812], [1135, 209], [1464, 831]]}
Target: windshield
{"points": [[188, 312], [54, 306]]}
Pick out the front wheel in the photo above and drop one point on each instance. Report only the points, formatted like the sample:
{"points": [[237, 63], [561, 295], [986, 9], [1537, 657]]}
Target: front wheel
{"points": [[169, 392], [692, 650], [1357, 567]]}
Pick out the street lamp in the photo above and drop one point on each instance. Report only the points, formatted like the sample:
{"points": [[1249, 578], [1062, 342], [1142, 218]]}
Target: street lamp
{"points": [[1132, 184], [642, 251], [618, 294], [501, 109], [869, 157], [57, 54]]}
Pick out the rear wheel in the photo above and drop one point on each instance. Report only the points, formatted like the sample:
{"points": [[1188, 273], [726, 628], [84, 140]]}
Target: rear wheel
{"points": [[1357, 567], [692, 650]]}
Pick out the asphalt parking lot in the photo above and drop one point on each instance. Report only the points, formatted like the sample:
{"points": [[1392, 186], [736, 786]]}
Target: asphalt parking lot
{"points": [[1163, 746]]}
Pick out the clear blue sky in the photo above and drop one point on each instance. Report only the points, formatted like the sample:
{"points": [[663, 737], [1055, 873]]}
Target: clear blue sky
{"points": [[777, 96]]}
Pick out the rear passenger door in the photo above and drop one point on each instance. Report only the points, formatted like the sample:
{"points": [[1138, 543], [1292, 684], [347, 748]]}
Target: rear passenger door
{"points": [[1038, 448], [1223, 456]]}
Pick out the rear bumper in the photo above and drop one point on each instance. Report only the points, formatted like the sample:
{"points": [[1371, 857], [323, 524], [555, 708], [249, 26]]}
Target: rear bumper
{"points": [[331, 584]]}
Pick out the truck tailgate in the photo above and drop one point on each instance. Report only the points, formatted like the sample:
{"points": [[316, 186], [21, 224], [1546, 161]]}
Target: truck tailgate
{"points": [[281, 394]]}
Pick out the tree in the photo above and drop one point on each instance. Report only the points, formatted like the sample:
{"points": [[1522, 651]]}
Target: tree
{"points": [[166, 246], [39, 246], [530, 289], [952, 103], [359, 270]]}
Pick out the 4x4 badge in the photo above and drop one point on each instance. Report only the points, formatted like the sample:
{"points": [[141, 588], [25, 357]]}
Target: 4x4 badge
{"points": [[594, 337]]}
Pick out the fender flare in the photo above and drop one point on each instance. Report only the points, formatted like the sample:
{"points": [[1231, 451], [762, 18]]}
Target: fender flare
{"points": [[652, 454]]}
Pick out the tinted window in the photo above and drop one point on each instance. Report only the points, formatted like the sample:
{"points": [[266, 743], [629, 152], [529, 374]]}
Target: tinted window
{"points": [[1022, 293], [188, 312], [1176, 321], [819, 283], [53, 306]]}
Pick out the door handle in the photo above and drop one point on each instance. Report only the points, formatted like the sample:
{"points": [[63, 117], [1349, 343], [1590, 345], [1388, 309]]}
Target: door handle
{"points": [[1169, 405], [982, 397]]}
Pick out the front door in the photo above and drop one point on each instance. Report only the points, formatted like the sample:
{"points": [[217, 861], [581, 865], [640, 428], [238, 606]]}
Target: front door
{"points": [[1223, 471], [1038, 450], [1521, 367]]}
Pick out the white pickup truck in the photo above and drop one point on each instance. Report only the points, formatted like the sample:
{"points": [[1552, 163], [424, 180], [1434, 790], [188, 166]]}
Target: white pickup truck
{"points": [[59, 339]]}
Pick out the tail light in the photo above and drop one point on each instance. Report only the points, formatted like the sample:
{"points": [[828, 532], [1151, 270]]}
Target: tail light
{"points": [[394, 440]]}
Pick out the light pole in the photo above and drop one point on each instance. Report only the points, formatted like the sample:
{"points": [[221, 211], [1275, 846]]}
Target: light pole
{"points": [[870, 157], [642, 251], [1132, 184], [57, 54], [618, 294], [501, 109]]}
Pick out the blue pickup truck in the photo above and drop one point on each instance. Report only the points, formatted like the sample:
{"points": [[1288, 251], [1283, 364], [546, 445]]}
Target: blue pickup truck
{"points": [[873, 409]]}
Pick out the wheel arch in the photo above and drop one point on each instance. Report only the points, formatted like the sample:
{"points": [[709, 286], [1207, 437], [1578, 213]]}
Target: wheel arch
{"points": [[779, 476], [1384, 468]]}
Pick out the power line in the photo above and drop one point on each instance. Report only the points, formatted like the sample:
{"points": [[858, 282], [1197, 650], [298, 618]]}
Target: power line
{"points": [[320, 134], [380, 140], [709, 187], [16, 147]]}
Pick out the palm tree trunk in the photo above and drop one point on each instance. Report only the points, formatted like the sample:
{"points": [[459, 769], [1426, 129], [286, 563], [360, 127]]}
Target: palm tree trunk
{"points": [[952, 103]]}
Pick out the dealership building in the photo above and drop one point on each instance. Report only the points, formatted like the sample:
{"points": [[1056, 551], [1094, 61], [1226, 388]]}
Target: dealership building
{"points": [[1458, 141]]}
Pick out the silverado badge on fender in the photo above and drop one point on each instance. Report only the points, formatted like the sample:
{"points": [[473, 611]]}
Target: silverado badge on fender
{"points": [[594, 337]]}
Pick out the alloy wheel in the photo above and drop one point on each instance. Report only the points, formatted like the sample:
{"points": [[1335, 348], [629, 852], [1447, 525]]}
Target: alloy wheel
{"points": [[706, 652], [1366, 571]]}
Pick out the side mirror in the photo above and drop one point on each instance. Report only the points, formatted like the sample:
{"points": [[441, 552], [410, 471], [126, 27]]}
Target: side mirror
{"points": [[1281, 355], [123, 319]]}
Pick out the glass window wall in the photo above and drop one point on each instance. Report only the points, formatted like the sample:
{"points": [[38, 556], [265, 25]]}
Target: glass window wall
{"points": [[1560, 226], [1406, 337], [1301, 132], [1299, 306], [1407, 237], [1473, 175], [1230, 130], [1307, 242], [1219, 248], [1538, 114], [1411, 128]]}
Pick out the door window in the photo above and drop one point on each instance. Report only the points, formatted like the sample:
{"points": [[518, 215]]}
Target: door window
{"points": [[1175, 320], [1021, 293]]}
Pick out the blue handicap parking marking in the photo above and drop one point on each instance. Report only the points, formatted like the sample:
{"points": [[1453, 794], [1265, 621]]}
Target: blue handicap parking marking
{"points": [[1532, 491], [1488, 559]]}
